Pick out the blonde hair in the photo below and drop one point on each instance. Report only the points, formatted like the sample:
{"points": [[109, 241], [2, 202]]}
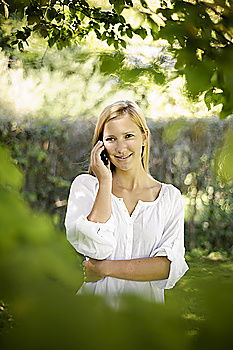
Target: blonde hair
{"points": [[118, 109]]}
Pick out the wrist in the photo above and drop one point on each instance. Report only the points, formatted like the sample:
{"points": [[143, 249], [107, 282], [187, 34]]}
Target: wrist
{"points": [[105, 182], [105, 268], [105, 185]]}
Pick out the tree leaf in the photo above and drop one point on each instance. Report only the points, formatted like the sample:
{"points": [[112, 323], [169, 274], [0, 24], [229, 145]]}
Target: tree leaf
{"points": [[141, 32], [118, 5], [213, 99], [129, 33], [111, 63], [51, 13]]}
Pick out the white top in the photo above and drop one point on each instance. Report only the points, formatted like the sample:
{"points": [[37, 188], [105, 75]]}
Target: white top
{"points": [[153, 229]]}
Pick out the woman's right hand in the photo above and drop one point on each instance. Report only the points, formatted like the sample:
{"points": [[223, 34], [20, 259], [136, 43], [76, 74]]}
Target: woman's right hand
{"points": [[102, 171]]}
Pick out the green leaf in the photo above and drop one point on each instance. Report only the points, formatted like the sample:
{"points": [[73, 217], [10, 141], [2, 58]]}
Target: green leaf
{"points": [[141, 31], [98, 34], [95, 25], [226, 110], [104, 36], [118, 6], [110, 40], [14, 42], [81, 16], [121, 19], [20, 35], [129, 33], [20, 46], [153, 27], [33, 18], [213, 99], [43, 32], [116, 45], [51, 13], [173, 31], [51, 41], [144, 4], [111, 63], [159, 77], [198, 77], [106, 26], [123, 43], [130, 75]]}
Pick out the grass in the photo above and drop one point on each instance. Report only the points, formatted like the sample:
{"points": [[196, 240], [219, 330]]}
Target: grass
{"points": [[189, 294]]}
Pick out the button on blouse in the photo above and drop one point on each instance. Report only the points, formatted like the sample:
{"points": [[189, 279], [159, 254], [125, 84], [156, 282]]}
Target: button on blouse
{"points": [[153, 229]]}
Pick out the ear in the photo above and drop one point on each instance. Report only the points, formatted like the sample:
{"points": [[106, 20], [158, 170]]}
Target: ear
{"points": [[144, 137]]}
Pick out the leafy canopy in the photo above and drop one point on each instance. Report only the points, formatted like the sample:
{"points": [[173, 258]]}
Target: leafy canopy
{"points": [[65, 21], [200, 35]]}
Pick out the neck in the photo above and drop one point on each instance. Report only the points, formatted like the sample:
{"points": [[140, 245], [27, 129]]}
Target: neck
{"points": [[131, 179]]}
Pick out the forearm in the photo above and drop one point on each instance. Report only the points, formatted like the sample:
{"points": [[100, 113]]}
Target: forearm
{"points": [[142, 269], [102, 207]]}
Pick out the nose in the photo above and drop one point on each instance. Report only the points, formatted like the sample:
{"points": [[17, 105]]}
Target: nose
{"points": [[120, 147]]}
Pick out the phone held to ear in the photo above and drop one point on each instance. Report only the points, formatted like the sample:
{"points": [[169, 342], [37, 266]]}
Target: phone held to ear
{"points": [[104, 157]]}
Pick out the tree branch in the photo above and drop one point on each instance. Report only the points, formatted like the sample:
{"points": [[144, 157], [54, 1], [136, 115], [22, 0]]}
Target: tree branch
{"points": [[6, 11]]}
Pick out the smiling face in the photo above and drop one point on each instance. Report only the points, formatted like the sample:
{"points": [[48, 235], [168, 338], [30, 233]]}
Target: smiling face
{"points": [[123, 141]]}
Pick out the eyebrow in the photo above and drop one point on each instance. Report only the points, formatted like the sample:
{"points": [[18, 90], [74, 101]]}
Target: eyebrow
{"points": [[124, 133]]}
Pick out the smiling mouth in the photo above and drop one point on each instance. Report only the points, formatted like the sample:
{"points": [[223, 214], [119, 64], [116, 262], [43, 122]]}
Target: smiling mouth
{"points": [[123, 158]]}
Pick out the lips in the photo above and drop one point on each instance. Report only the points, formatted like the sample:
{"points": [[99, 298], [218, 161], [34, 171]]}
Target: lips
{"points": [[123, 158]]}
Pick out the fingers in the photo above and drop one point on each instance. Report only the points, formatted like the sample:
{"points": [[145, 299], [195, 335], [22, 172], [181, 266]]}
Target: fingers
{"points": [[86, 263], [84, 271], [98, 150], [98, 147], [95, 153], [90, 275], [86, 267]]}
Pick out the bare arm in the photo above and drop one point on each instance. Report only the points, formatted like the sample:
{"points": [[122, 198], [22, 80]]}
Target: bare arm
{"points": [[142, 269], [101, 210]]}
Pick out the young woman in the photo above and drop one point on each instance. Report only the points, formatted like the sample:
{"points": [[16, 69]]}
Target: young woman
{"points": [[129, 225]]}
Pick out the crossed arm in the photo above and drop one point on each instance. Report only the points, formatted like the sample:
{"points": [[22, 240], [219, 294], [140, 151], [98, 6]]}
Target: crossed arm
{"points": [[141, 269]]}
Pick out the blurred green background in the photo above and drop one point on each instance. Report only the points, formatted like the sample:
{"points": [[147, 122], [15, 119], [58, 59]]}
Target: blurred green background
{"points": [[58, 71]]}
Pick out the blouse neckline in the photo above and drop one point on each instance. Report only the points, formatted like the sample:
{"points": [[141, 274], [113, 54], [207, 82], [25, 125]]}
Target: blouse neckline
{"points": [[146, 203]]}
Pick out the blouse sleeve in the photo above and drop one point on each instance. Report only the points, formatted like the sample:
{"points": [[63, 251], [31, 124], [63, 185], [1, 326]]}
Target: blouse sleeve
{"points": [[172, 242], [92, 239]]}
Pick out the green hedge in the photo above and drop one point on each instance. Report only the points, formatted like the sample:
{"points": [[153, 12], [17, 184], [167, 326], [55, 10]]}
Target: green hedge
{"points": [[183, 152]]}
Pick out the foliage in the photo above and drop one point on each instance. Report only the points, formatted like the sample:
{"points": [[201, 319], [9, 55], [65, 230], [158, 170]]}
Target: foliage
{"points": [[33, 254], [199, 34], [66, 21], [224, 158], [183, 152], [6, 319]]}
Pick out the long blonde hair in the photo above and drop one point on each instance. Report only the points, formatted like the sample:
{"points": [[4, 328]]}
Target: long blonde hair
{"points": [[115, 110]]}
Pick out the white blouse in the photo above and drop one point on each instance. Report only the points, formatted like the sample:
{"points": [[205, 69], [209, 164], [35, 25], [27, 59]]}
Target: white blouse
{"points": [[153, 229]]}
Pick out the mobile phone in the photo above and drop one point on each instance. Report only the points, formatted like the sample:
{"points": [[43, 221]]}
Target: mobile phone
{"points": [[104, 157]]}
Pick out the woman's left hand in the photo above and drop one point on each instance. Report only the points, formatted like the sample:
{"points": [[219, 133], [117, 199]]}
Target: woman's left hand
{"points": [[93, 270]]}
